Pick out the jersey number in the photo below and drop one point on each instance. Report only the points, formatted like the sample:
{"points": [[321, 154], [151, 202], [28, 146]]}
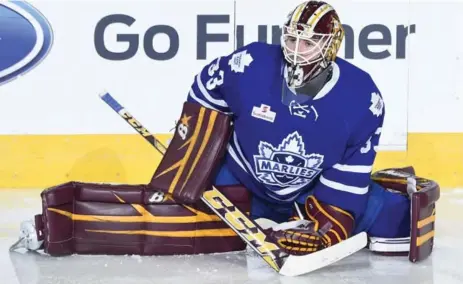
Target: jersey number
{"points": [[365, 149], [215, 80]]}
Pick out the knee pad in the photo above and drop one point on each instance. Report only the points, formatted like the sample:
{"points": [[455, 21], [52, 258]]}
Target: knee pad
{"points": [[393, 218], [279, 213], [225, 177]]}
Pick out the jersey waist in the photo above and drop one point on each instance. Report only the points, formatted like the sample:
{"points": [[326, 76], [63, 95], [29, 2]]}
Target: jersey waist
{"points": [[248, 181]]}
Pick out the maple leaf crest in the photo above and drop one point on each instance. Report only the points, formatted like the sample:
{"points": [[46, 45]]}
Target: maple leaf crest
{"points": [[314, 161], [266, 150], [377, 104], [293, 143], [239, 61]]}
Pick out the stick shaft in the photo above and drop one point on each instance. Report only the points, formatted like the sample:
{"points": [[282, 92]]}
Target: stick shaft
{"points": [[124, 113]]}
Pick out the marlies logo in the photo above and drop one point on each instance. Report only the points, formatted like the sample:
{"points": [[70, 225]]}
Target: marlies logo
{"points": [[287, 164], [26, 38], [239, 61]]}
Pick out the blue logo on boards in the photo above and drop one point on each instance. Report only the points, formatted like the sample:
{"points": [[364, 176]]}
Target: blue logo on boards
{"points": [[26, 38]]}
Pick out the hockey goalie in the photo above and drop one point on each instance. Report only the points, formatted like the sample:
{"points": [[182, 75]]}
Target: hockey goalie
{"points": [[287, 132]]}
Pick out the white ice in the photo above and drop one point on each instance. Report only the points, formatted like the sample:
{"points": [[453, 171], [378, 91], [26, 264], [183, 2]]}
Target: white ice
{"points": [[242, 267]]}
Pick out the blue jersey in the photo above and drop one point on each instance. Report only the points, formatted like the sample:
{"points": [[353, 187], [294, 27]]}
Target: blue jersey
{"points": [[282, 152]]}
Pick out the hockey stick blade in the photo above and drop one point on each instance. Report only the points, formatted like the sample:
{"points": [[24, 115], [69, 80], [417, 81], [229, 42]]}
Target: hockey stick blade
{"points": [[297, 265], [245, 227], [248, 229]]}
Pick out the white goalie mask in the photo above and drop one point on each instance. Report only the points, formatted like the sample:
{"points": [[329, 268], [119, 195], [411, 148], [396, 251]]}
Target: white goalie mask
{"points": [[311, 37]]}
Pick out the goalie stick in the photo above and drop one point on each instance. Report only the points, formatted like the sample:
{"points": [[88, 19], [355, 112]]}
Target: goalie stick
{"points": [[246, 228]]}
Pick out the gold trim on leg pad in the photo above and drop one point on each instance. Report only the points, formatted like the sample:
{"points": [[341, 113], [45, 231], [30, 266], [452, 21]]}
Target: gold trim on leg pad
{"points": [[185, 172]]}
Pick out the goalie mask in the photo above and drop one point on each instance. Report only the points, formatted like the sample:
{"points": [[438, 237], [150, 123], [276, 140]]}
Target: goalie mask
{"points": [[311, 37]]}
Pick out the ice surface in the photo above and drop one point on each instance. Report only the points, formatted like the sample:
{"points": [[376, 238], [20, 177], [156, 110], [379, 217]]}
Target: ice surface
{"points": [[443, 266]]}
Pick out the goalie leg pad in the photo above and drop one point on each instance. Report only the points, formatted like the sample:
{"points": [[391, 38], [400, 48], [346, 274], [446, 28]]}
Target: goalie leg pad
{"points": [[423, 218], [422, 195], [189, 164], [87, 218]]}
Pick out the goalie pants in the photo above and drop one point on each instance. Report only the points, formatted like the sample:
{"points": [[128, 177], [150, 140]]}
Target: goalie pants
{"points": [[387, 214]]}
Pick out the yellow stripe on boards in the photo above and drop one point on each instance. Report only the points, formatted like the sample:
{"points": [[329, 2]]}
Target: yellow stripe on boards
{"points": [[39, 161], [436, 156]]}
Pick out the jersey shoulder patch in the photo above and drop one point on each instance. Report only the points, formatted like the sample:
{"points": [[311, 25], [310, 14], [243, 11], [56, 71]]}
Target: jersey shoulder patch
{"points": [[240, 60], [363, 105], [363, 93], [250, 55], [376, 104]]}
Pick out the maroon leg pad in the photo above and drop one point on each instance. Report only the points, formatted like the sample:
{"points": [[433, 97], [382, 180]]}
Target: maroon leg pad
{"points": [[423, 218], [423, 204], [193, 155], [87, 218]]}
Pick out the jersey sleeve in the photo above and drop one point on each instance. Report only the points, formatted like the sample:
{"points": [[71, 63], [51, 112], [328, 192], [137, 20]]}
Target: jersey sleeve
{"points": [[209, 88], [215, 86], [346, 183]]}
